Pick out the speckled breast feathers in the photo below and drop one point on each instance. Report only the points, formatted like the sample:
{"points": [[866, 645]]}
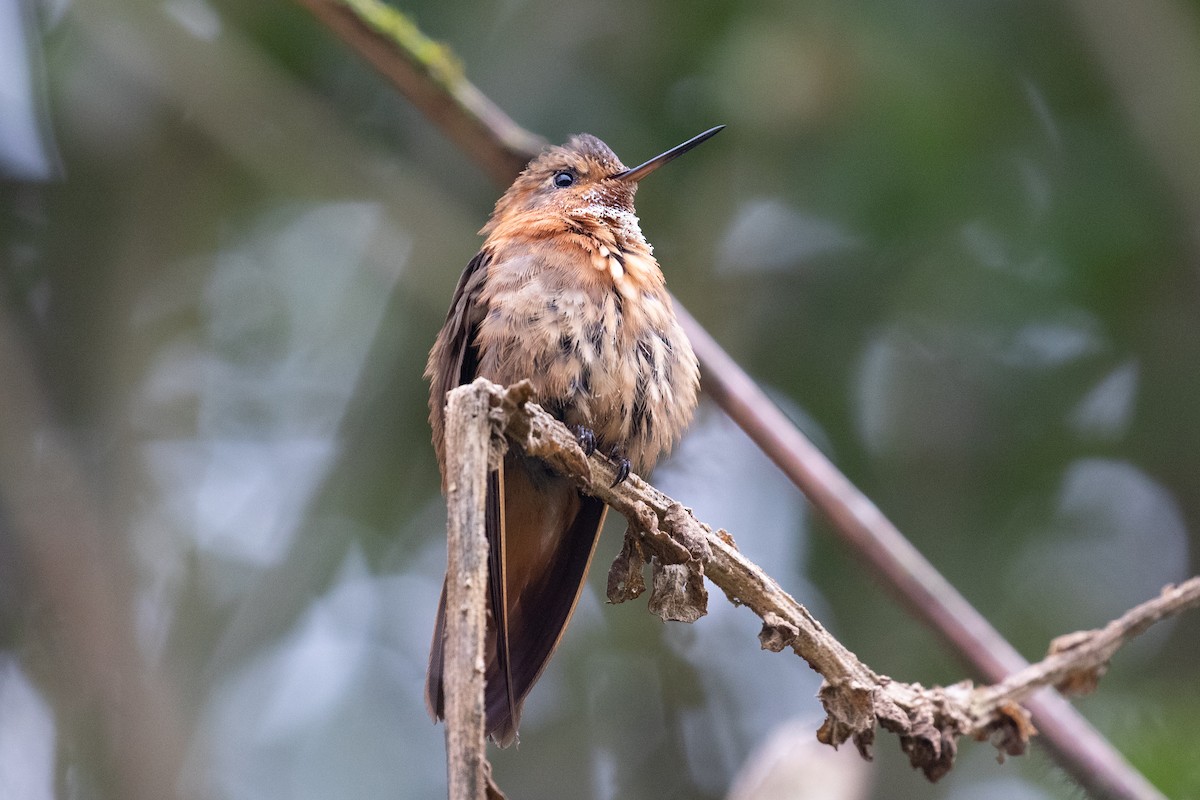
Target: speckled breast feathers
{"points": [[573, 300]]}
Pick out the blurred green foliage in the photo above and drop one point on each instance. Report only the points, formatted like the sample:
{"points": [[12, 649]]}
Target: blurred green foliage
{"points": [[952, 238]]}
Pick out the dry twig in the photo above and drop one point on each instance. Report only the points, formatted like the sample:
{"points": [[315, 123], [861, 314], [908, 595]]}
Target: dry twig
{"points": [[681, 551], [468, 440]]}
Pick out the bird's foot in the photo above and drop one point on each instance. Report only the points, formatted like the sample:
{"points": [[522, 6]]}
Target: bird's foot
{"points": [[586, 438], [623, 465]]}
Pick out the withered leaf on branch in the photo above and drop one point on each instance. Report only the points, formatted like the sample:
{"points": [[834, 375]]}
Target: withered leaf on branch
{"points": [[850, 710], [666, 548], [1011, 730], [929, 749], [678, 593], [625, 581], [777, 633], [679, 521]]}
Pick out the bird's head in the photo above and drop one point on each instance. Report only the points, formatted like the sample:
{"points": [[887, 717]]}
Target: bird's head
{"points": [[584, 175]]}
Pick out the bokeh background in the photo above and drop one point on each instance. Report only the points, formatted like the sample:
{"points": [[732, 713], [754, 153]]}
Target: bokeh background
{"points": [[957, 241]]}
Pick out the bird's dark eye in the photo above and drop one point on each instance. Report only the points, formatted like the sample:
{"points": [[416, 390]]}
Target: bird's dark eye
{"points": [[563, 179]]}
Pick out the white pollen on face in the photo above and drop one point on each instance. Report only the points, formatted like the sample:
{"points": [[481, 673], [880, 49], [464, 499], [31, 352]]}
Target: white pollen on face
{"points": [[623, 223]]}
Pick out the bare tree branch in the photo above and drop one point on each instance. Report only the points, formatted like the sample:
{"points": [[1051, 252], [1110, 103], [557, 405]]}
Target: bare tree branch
{"points": [[432, 78], [468, 438], [1076, 661], [681, 551]]}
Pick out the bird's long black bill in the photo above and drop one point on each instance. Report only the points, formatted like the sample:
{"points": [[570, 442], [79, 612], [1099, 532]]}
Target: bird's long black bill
{"points": [[637, 173]]}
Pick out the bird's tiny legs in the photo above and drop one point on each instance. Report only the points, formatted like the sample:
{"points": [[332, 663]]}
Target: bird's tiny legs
{"points": [[587, 442], [586, 438], [617, 454]]}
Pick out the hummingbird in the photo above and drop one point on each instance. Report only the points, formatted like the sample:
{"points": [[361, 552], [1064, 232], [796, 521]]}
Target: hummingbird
{"points": [[566, 293]]}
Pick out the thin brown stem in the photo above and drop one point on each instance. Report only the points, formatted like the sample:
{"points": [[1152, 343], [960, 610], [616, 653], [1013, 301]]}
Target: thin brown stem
{"points": [[432, 79]]}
